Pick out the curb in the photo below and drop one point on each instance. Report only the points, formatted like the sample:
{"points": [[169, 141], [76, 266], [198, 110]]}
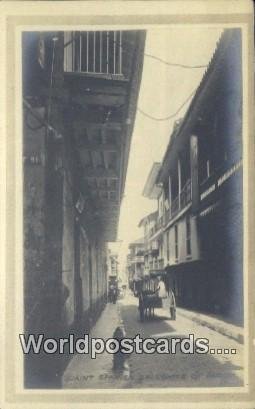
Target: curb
{"points": [[215, 326]]}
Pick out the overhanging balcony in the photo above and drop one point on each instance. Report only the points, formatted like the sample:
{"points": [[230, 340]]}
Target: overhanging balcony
{"points": [[156, 264]]}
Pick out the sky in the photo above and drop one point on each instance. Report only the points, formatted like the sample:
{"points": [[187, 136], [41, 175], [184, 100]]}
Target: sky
{"points": [[163, 90]]}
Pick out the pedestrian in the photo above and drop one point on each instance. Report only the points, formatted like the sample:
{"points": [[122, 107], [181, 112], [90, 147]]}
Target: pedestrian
{"points": [[161, 290], [167, 297], [172, 304]]}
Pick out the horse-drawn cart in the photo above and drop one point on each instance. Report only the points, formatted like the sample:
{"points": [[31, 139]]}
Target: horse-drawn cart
{"points": [[149, 298]]}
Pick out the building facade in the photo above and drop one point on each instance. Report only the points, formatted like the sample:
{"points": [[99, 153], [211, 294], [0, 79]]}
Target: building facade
{"points": [[200, 196], [112, 268], [135, 263], [79, 101]]}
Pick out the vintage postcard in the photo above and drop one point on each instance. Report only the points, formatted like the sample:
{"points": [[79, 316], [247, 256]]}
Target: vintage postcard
{"points": [[128, 211]]}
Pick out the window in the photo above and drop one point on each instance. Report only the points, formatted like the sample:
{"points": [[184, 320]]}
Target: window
{"points": [[176, 241], [98, 52], [188, 236], [167, 246]]}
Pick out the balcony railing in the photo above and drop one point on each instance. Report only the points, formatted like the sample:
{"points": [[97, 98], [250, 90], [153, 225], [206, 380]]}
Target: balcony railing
{"points": [[159, 222], [185, 197], [179, 203], [157, 264], [138, 259], [174, 207], [152, 231], [161, 263], [93, 52]]}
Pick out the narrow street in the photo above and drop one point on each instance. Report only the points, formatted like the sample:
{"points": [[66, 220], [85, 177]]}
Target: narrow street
{"points": [[133, 186], [156, 370]]}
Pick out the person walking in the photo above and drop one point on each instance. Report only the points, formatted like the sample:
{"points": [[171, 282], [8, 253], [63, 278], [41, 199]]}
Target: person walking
{"points": [[172, 304], [167, 297], [161, 290]]}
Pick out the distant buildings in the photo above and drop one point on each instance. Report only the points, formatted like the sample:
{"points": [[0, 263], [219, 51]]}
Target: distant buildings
{"points": [[113, 264], [196, 234], [135, 262]]}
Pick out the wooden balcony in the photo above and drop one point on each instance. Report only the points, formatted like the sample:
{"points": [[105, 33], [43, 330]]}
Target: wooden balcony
{"points": [[179, 202], [157, 264], [138, 260], [102, 73]]}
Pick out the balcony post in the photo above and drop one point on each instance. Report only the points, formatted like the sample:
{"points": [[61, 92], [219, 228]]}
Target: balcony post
{"points": [[170, 196], [194, 172], [163, 208], [179, 182]]}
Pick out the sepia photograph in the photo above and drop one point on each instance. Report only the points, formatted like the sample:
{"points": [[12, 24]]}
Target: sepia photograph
{"points": [[176, 265], [131, 143]]}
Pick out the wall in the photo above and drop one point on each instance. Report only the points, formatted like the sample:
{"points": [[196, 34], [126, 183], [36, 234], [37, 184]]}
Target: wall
{"points": [[85, 271], [68, 252], [222, 248], [34, 222]]}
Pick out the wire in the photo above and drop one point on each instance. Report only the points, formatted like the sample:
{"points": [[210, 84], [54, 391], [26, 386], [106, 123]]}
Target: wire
{"points": [[154, 57], [167, 118], [173, 64]]}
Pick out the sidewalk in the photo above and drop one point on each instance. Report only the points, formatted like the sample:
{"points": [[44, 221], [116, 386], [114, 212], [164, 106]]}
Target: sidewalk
{"points": [[85, 372], [218, 325]]}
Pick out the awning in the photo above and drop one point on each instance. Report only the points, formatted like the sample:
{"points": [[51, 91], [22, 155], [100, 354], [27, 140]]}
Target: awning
{"points": [[184, 267]]}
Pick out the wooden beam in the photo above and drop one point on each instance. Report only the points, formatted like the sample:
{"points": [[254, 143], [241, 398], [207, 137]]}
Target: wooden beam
{"points": [[104, 78], [92, 164], [105, 160], [100, 99], [58, 93], [94, 89], [79, 125], [107, 217], [110, 207], [104, 189], [101, 177], [98, 172], [107, 147]]}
